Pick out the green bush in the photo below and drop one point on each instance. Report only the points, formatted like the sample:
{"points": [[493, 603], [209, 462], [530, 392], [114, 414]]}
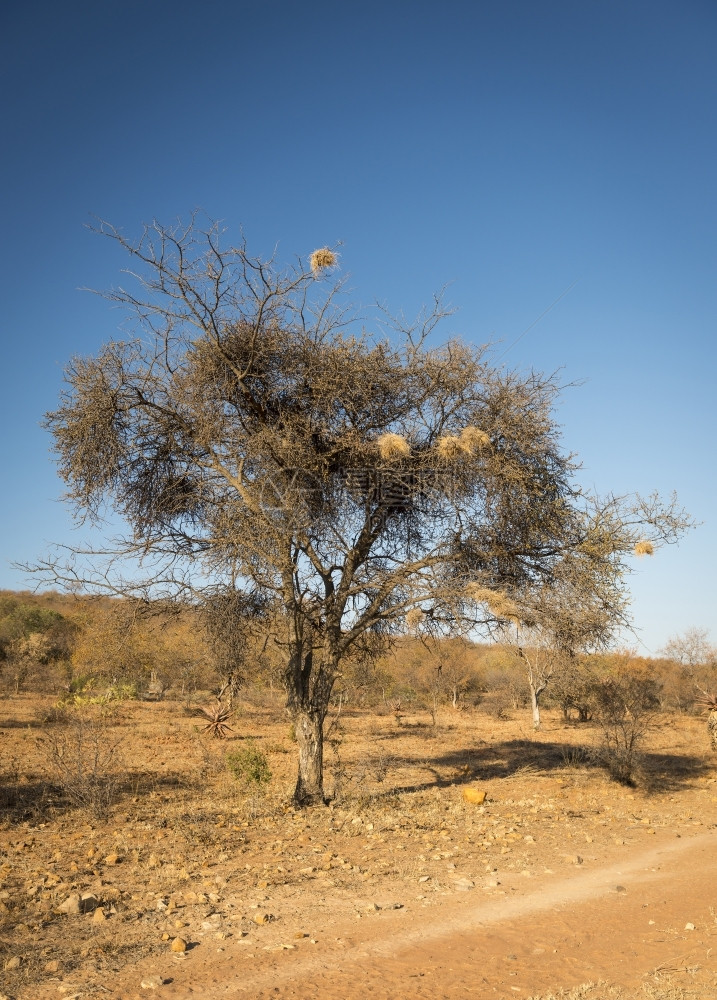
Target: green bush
{"points": [[82, 691], [122, 691], [82, 684], [250, 766]]}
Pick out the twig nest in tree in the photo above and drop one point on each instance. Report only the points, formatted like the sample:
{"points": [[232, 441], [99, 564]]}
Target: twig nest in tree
{"points": [[473, 795], [473, 440], [414, 617], [393, 446], [449, 447], [644, 548], [322, 259], [470, 441], [498, 603]]}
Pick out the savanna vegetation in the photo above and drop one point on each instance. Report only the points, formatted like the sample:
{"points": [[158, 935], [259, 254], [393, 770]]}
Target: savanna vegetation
{"points": [[360, 556], [84, 652], [126, 824], [318, 489]]}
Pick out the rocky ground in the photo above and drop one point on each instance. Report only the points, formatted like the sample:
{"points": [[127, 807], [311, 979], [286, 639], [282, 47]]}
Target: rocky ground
{"points": [[193, 883]]}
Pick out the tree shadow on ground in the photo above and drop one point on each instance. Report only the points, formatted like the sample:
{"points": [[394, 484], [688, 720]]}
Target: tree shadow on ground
{"points": [[36, 798], [655, 772], [9, 723], [419, 730]]}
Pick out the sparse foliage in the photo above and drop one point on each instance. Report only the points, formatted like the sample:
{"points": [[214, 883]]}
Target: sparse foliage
{"points": [[691, 667], [31, 636], [84, 758], [235, 625], [624, 708], [692, 648], [572, 688]]}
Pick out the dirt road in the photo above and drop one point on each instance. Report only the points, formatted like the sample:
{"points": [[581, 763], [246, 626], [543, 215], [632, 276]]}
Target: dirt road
{"points": [[656, 910]]}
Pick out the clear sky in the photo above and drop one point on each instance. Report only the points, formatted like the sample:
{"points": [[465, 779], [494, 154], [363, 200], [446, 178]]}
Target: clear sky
{"points": [[510, 148]]}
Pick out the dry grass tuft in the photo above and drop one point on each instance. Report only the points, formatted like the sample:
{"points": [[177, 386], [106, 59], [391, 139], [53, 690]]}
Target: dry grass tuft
{"points": [[322, 259], [393, 446], [499, 603], [474, 440], [644, 548], [594, 991], [450, 447]]}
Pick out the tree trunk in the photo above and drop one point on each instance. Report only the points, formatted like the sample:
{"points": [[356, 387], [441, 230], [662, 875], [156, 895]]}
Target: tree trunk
{"points": [[309, 728], [309, 680], [535, 705], [712, 728]]}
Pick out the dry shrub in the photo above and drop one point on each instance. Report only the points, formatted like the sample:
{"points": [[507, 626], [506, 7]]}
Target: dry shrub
{"points": [[368, 772], [576, 756], [393, 446], [624, 709], [644, 548], [322, 259], [84, 759], [498, 704]]}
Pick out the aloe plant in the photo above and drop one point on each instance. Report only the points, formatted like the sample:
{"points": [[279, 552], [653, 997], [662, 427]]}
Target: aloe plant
{"points": [[216, 719]]}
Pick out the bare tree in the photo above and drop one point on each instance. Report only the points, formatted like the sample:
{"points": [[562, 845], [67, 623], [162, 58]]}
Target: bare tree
{"points": [[254, 440], [694, 668], [538, 656], [451, 670], [691, 649]]}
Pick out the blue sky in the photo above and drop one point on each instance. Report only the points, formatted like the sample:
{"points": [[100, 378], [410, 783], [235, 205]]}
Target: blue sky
{"points": [[510, 149]]}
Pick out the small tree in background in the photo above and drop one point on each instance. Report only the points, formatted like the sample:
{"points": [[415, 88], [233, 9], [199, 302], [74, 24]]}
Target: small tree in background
{"points": [[625, 698], [692, 649], [539, 659], [255, 440], [572, 687], [692, 666], [31, 636], [578, 609], [457, 661], [235, 625]]}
